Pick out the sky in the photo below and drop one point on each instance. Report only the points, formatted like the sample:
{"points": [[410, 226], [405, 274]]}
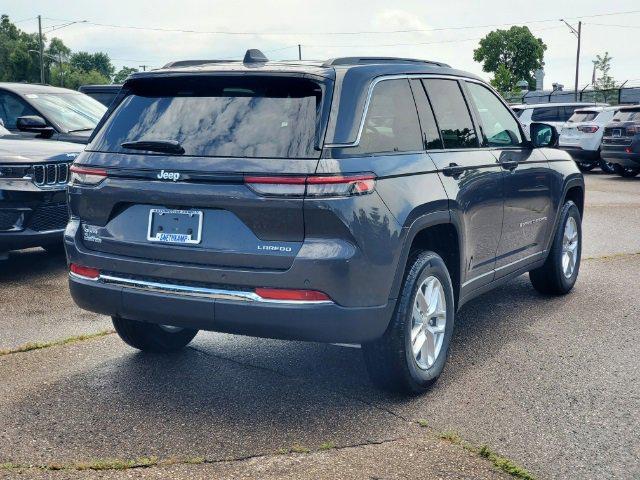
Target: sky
{"points": [[446, 31]]}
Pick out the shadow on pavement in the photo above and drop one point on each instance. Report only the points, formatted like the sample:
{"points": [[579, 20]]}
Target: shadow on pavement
{"points": [[29, 265]]}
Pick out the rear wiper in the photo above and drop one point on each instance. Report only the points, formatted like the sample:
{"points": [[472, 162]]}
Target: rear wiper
{"points": [[164, 146]]}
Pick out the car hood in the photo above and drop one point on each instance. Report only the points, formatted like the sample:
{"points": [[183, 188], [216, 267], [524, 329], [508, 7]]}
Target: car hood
{"points": [[26, 150]]}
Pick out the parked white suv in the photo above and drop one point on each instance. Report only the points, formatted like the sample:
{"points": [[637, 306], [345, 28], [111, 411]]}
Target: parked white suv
{"points": [[582, 134], [555, 114]]}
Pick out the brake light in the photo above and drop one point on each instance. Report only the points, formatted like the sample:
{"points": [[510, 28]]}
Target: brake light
{"points": [[292, 295], [85, 272], [313, 186], [280, 186], [86, 175], [588, 128]]}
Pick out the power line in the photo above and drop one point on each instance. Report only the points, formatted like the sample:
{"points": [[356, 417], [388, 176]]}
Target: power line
{"points": [[362, 32], [610, 25], [438, 42]]}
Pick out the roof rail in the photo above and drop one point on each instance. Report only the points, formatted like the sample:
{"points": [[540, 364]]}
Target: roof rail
{"points": [[378, 60], [194, 63], [253, 55]]}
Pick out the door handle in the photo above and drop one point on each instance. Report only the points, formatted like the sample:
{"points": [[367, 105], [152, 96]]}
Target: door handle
{"points": [[453, 170], [509, 164]]}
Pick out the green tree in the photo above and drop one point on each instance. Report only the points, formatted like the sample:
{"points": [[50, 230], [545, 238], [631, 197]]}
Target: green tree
{"points": [[73, 78], [123, 73], [98, 61], [17, 62], [512, 55]]}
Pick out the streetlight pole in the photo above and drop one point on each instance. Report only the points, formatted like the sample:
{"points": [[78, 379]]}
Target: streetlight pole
{"points": [[578, 33], [41, 49]]}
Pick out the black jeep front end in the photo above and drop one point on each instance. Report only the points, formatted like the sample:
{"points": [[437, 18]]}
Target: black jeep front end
{"points": [[33, 204]]}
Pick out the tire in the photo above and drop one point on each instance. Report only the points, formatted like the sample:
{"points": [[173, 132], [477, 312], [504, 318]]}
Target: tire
{"points": [[586, 167], [552, 278], [607, 167], [390, 360], [150, 337], [626, 172]]}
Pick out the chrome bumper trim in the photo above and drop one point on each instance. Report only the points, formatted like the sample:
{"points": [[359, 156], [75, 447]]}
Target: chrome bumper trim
{"points": [[189, 291]]}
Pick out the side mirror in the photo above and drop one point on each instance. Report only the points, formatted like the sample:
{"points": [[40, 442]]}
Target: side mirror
{"points": [[543, 135], [34, 124]]}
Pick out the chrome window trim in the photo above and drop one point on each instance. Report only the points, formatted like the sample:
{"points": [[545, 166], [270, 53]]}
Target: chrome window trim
{"points": [[383, 78], [190, 291]]}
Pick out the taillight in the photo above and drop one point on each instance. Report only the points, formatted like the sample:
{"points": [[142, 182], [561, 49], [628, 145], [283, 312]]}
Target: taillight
{"points": [[340, 186], [287, 295], [86, 175], [588, 128], [313, 186], [280, 186], [85, 272], [633, 129]]}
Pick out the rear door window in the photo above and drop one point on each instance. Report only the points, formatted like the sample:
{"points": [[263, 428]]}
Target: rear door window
{"points": [[219, 116], [452, 114], [427, 119], [391, 123], [546, 114]]}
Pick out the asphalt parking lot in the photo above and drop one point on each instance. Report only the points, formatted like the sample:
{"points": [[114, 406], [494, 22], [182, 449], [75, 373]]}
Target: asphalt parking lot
{"points": [[552, 384]]}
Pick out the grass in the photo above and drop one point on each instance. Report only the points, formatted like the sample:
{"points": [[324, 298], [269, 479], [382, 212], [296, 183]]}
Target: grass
{"points": [[28, 347], [327, 446], [115, 464], [106, 464], [500, 462], [504, 463], [423, 423]]}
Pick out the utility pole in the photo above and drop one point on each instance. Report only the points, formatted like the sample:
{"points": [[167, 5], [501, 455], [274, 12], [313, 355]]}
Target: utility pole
{"points": [[41, 50], [299, 52], [143, 67], [578, 33]]}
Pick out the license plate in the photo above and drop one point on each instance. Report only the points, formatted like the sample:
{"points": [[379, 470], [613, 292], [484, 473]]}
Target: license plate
{"points": [[617, 132], [175, 226]]}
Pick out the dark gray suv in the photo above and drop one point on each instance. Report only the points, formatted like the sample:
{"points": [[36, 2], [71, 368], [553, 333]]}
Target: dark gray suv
{"points": [[359, 200]]}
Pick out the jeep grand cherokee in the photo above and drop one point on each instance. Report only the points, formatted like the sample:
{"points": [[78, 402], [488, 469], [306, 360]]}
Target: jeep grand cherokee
{"points": [[357, 200]]}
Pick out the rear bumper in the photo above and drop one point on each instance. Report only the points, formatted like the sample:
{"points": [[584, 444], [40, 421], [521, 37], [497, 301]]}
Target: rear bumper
{"points": [[578, 153], [28, 239], [321, 322], [618, 155]]}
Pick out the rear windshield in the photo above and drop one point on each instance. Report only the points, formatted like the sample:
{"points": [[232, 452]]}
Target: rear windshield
{"points": [[627, 116], [224, 116], [583, 117]]}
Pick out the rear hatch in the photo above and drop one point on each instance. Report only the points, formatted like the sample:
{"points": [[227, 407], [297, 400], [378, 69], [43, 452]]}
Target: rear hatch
{"points": [[580, 125], [625, 125], [181, 155]]}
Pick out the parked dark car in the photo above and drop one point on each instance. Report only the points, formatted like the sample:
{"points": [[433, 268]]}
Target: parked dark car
{"points": [[621, 141], [359, 200], [33, 200], [42, 111], [105, 94]]}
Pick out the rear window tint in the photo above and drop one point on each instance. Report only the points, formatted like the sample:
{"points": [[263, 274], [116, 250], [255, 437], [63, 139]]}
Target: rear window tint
{"points": [[583, 117], [627, 116], [224, 116], [452, 114], [391, 124]]}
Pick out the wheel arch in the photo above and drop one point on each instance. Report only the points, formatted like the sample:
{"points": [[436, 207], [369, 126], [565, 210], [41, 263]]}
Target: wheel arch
{"points": [[435, 232]]}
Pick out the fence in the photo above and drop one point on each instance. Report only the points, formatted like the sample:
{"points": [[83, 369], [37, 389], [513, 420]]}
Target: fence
{"points": [[627, 93]]}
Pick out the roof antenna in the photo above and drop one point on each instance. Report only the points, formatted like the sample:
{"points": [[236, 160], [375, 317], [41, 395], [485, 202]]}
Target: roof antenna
{"points": [[254, 55]]}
